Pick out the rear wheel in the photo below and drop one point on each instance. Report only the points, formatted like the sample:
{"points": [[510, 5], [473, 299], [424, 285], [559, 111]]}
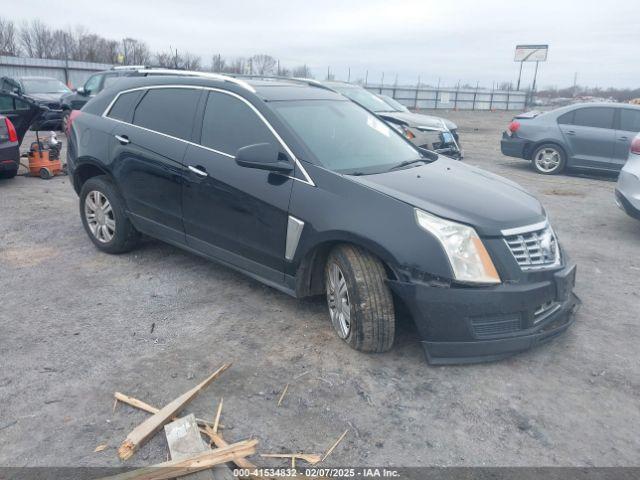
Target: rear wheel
{"points": [[359, 300], [103, 216], [548, 159]]}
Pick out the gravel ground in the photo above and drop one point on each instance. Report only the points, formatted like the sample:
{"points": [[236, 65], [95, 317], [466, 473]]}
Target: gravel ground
{"points": [[77, 325]]}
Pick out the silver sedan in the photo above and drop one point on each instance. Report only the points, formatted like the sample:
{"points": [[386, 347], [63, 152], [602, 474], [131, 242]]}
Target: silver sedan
{"points": [[628, 187]]}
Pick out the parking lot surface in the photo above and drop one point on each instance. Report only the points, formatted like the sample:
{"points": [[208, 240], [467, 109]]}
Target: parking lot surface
{"points": [[78, 325]]}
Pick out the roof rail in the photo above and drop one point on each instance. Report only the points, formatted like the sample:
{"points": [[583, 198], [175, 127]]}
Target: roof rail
{"points": [[307, 81], [128, 67], [192, 73]]}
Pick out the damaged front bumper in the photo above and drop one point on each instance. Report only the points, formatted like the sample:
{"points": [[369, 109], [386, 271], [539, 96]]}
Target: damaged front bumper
{"points": [[479, 324]]}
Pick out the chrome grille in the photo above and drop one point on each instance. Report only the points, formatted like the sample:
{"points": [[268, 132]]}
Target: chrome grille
{"points": [[535, 249]]}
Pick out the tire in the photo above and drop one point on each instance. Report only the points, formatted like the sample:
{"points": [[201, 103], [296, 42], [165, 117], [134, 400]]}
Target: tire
{"points": [[65, 121], [371, 315], [8, 173], [111, 232], [45, 174], [549, 159]]}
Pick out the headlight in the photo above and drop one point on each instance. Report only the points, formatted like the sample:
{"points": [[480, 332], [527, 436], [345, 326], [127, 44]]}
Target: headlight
{"points": [[468, 257]]}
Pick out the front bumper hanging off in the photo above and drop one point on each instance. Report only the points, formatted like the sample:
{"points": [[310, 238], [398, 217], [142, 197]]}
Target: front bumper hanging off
{"points": [[470, 325]]}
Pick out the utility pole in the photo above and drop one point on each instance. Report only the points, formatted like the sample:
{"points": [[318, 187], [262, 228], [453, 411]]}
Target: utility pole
{"points": [[349, 75], [575, 84], [535, 76], [520, 75], [382, 81], [366, 77]]}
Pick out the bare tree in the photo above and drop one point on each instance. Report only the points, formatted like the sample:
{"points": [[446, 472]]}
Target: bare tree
{"points": [[263, 64], [191, 61], [8, 38], [35, 39], [218, 64], [302, 71], [134, 52], [173, 59], [239, 65]]}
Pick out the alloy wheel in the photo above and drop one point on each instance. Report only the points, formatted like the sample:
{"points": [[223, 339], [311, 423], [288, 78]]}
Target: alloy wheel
{"points": [[338, 300], [547, 159], [100, 217]]}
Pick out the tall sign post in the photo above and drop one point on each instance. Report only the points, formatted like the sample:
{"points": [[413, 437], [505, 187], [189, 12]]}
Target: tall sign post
{"points": [[530, 53]]}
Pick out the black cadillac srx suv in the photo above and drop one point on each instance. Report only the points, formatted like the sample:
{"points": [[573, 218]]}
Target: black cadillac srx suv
{"points": [[312, 194]]}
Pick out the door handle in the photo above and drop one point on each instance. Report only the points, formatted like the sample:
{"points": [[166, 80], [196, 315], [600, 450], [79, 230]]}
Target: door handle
{"points": [[198, 170], [623, 139], [123, 139], [571, 132]]}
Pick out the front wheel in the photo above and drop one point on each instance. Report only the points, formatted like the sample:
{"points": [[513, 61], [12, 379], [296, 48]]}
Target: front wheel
{"points": [[65, 120], [548, 159], [360, 302]]}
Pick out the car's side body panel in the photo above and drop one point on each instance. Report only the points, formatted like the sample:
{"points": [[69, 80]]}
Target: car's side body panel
{"points": [[590, 147]]}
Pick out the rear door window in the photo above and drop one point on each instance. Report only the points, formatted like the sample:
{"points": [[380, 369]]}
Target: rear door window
{"points": [[230, 124], [629, 120], [598, 117], [566, 119], [168, 110], [122, 109]]}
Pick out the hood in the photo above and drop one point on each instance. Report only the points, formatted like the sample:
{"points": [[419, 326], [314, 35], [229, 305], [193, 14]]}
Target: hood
{"points": [[45, 97], [419, 120], [450, 189]]}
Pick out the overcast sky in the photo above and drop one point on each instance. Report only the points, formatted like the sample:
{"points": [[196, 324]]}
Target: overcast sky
{"points": [[453, 40]]}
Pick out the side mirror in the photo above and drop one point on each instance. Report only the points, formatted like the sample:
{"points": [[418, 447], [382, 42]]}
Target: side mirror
{"points": [[263, 156], [81, 91]]}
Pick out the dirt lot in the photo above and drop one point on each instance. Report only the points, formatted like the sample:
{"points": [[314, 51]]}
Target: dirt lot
{"points": [[77, 325]]}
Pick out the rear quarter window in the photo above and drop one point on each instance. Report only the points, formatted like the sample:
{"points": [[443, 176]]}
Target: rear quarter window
{"points": [[122, 109], [629, 120], [168, 110], [566, 119]]}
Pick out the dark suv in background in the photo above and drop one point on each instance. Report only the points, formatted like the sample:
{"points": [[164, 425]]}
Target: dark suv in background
{"points": [[47, 92], [308, 192]]}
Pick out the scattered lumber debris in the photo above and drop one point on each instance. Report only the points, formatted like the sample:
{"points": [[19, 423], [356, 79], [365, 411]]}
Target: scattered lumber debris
{"points": [[184, 440], [333, 447], [190, 455], [151, 425], [191, 464], [134, 402], [284, 392], [216, 422], [100, 448], [311, 458]]}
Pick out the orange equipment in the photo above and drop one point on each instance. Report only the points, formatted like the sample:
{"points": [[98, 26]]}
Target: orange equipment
{"points": [[44, 161]]}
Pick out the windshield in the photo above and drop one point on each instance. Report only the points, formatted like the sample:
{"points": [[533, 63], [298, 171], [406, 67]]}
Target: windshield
{"points": [[397, 106], [344, 137], [43, 85], [364, 97]]}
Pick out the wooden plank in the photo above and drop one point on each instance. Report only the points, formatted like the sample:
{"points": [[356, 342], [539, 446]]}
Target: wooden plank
{"points": [[184, 440], [134, 402], [195, 463], [151, 425]]}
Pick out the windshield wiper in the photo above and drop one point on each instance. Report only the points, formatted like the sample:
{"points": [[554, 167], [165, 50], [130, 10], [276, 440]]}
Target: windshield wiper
{"points": [[406, 163]]}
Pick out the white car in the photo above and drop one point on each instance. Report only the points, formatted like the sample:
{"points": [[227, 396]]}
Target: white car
{"points": [[628, 187]]}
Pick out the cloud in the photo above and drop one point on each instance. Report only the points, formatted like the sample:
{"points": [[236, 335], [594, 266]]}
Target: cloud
{"points": [[463, 40]]}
